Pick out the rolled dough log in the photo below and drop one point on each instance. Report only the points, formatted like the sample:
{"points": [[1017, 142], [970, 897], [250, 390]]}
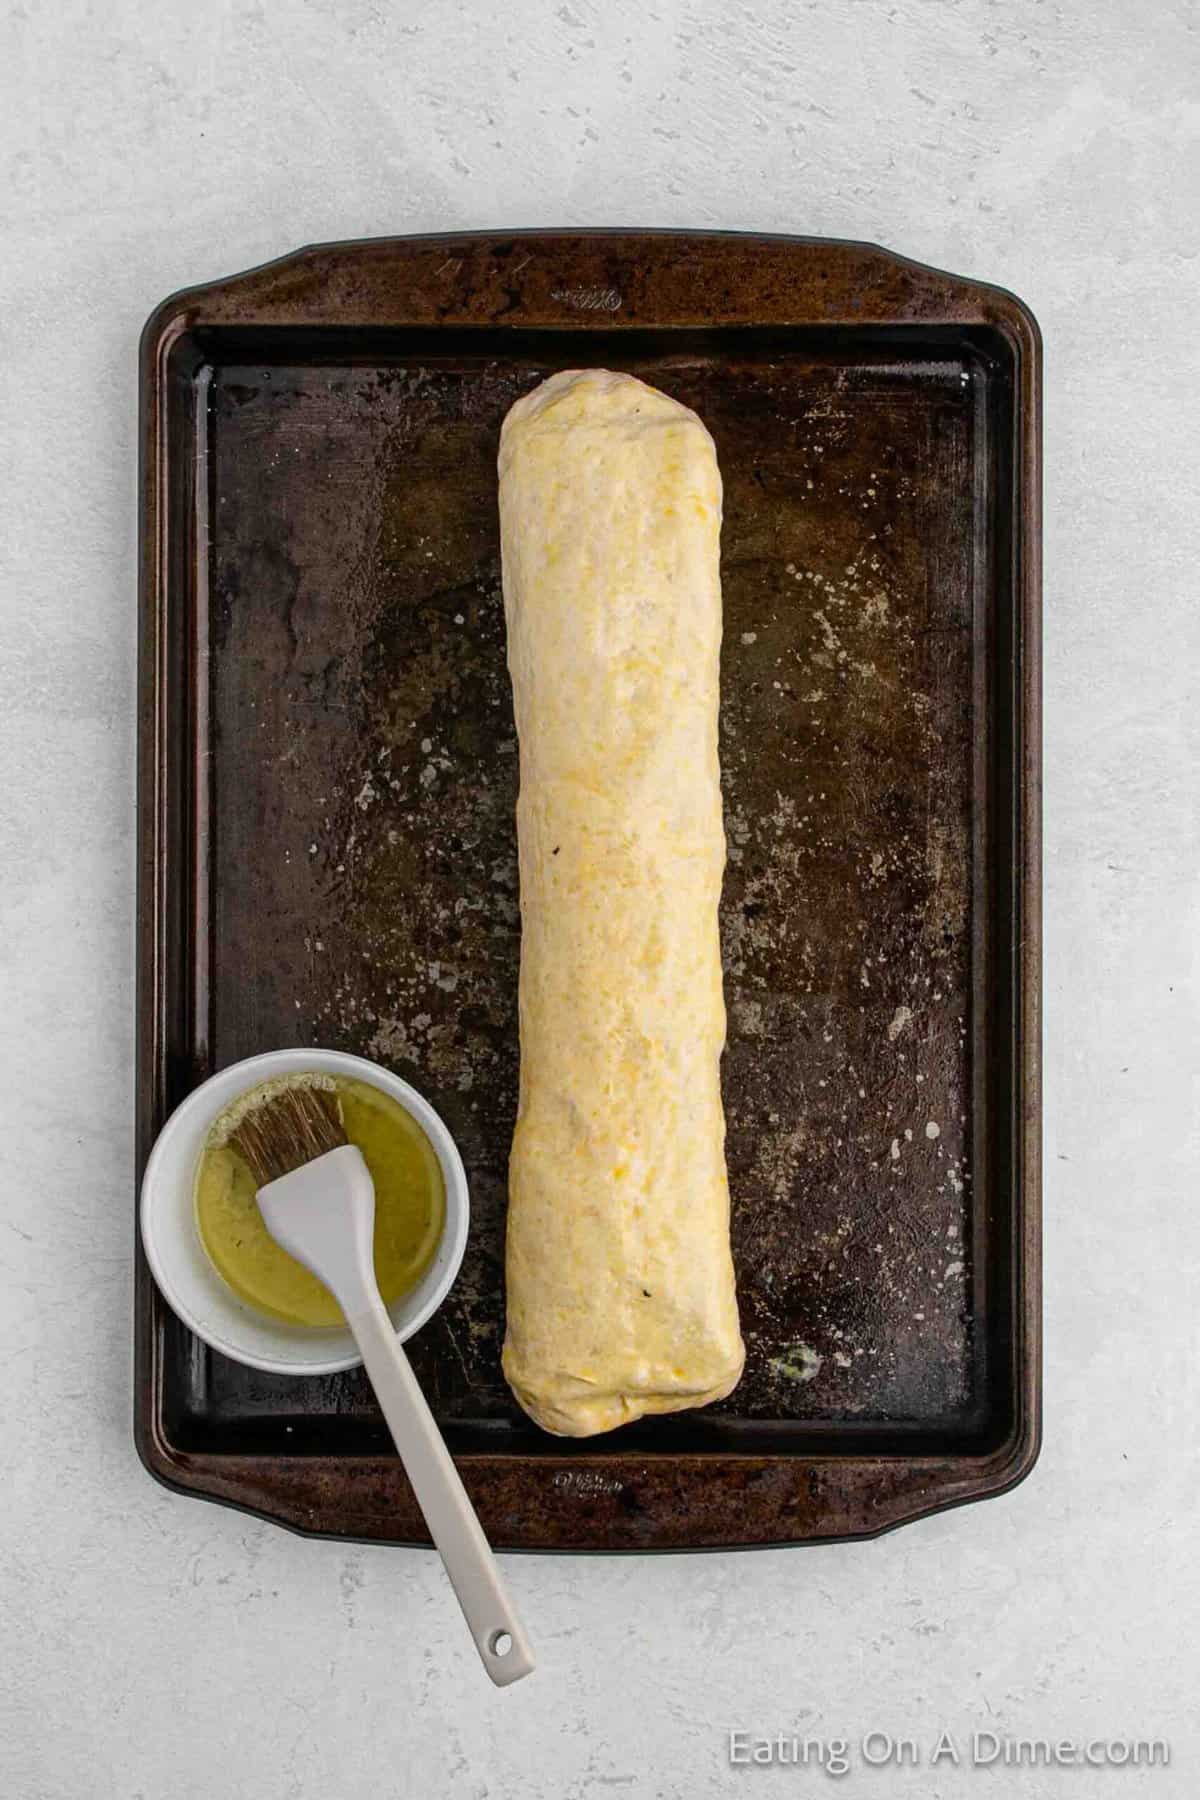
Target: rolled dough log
{"points": [[620, 1282]]}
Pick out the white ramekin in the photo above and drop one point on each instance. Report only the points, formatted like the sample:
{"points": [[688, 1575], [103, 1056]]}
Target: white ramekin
{"points": [[180, 1264]]}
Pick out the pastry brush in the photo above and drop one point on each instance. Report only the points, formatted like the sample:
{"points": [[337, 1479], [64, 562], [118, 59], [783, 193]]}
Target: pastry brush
{"points": [[317, 1200]]}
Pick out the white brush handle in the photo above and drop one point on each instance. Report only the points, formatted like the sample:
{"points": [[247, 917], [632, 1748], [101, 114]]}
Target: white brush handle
{"points": [[323, 1214], [474, 1576]]}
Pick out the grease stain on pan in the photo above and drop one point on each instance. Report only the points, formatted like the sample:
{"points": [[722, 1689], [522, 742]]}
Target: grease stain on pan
{"points": [[799, 1362]]}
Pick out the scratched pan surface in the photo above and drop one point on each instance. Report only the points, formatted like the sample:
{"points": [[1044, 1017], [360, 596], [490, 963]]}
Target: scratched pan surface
{"points": [[328, 779]]}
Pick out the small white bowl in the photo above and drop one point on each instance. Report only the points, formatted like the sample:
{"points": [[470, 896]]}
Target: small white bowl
{"points": [[180, 1263]]}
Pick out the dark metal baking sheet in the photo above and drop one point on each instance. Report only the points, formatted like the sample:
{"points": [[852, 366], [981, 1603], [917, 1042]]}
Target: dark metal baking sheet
{"points": [[327, 782]]}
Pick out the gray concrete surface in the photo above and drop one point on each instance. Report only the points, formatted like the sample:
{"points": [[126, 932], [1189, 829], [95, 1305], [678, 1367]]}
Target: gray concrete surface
{"points": [[157, 1648]]}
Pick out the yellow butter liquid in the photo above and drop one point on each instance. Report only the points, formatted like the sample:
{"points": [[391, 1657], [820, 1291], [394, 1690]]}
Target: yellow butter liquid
{"points": [[410, 1212]]}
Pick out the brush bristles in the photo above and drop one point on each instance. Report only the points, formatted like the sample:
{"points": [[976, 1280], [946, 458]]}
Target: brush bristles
{"points": [[292, 1128]]}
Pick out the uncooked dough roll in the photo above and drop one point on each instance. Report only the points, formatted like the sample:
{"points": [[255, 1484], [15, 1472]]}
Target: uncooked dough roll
{"points": [[620, 1282]]}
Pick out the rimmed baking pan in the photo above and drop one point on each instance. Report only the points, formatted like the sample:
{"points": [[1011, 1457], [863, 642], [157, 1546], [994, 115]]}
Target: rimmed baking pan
{"points": [[327, 850]]}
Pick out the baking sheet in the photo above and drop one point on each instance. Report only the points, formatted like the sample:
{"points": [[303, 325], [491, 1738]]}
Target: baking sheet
{"points": [[328, 782]]}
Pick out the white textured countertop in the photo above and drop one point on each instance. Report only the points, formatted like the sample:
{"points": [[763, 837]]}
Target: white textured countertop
{"points": [[161, 1649]]}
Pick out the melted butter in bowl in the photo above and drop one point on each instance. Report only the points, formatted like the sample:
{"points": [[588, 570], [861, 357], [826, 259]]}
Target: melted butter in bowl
{"points": [[410, 1212]]}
